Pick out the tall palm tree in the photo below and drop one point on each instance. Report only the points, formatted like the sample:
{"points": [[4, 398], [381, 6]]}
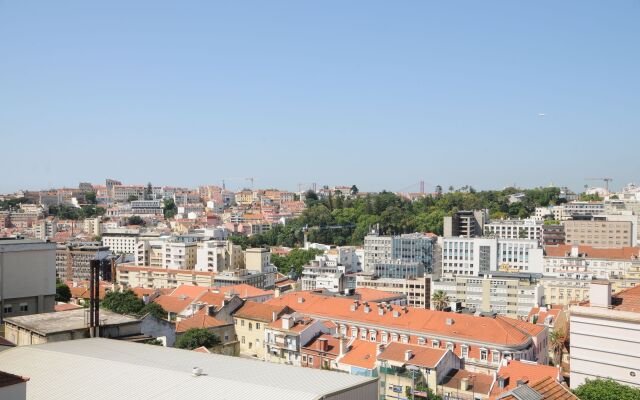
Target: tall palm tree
{"points": [[440, 300], [557, 339]]}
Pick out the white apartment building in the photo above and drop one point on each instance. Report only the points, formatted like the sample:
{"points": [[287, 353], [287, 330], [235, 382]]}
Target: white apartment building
{"points": [[218, 256], [417, 290], [515, 229], [394, 251], [121, 241], [180, 254], [45, 228], [583, 208], [586, 262], [605, 336], [509, 294], [474, 256], [147, 207]]}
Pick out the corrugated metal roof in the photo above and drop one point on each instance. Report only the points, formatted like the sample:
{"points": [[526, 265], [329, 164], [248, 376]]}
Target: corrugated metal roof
{"points": [[110, 369]]}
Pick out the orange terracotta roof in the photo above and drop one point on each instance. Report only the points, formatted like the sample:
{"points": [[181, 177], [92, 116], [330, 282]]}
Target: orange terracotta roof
{"points": [[127, 267], [189, 291], [421, 355], [7, 379], [623, 253], [542, 315], [376, 296], [625, 300], [420, 321], [333, 344], [244, 291], [198, 321], [140, 292], [65, 307], [202, 349], [478, 382], [524, 326], [361, 354], [298, 326], [527, 372], [173, 304], [258, 311], [550, 389]]}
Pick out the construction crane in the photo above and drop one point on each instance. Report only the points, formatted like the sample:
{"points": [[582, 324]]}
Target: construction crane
{"points": [[605, 180], [224, 181], [307, 228]]}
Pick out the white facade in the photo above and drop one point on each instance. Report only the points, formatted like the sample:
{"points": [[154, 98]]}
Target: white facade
{"points": [[515, 229], [605, 342], [472, 256]]}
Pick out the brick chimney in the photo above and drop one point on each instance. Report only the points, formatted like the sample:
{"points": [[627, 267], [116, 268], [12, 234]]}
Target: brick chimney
{"points": [[322, 344]]}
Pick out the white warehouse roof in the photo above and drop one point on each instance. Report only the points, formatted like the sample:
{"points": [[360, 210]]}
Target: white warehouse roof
{"points": [[110, 369]]}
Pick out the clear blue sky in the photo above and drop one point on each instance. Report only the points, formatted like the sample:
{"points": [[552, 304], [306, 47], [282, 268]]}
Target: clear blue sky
{"points": [[377, 93]]}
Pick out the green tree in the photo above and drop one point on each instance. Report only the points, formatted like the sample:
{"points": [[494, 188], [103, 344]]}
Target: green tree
{"points": [[135, 220], [132, 197], [590, 197], [354, 190], [148, 192], [440, 300], [197, 337], [310, 198], [294, 261], [123, 302], [63, 293], [154, 309], [90, 197], [170, 209], [606, 389], [557, 340]]}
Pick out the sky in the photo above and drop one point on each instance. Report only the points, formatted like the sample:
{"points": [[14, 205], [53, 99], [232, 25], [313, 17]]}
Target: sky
{"points": [[381, 94]]}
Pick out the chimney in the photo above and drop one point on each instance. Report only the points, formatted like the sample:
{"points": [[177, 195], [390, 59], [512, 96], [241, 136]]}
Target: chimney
{"points": [[449, 321], [575, 251], [600, 294], [407, 355], [464, 384], [342, 346], [379, 349], [300, 300], [521, 381], [286, 322], [276, 292], [274, 316]]}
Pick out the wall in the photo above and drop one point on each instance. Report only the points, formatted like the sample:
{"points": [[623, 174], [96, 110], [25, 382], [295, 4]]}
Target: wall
{"points": [[14, 392], [159, 328]]}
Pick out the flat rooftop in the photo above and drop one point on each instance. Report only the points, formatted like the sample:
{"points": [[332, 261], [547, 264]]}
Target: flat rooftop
{"points": [[115, 369], [56, 322]]}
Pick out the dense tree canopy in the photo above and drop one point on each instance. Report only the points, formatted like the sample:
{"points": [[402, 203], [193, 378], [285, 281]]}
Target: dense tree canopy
{"points": [[294, 261], [128, 303], [64, 211], [135, 220], [197, 337], [63, 292], [346, 220], [606, 389], [170, 208]]}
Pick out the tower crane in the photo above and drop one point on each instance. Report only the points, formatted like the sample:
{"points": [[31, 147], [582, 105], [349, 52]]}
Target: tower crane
{"points": [[605, 180]]}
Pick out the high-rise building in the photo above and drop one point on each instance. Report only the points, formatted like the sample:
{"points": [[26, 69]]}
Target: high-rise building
{"points": [[465, 223], [404, 256]]}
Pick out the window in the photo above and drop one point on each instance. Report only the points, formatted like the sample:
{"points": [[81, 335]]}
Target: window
{"points": [[242, 323], [404, 339], [421, 341], [465, 351], [310, 360], [384, 337], [226, 337], [450, 346], [250, 345], [304, 359], [235, 321], [257, 325], [394, 337], [483, 354], [8, 308], [495, 356], [250, 326], [372, 336], [354, 332], [435, 343], [243, 340], [363, 334]]}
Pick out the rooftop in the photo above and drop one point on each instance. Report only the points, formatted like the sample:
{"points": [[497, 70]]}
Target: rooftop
{"points": [[623, 253], [56, 322], [513, 371], [162, 373], [421, 356], [500, 331], [7, 379]]}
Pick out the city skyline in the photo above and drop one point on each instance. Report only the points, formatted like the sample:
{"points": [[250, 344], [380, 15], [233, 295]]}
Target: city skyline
{"points": [[481, 94]]}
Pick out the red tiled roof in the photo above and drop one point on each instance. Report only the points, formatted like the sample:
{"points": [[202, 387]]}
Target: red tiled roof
{"points": [[421, 355], [258, 311], [7, 379], [420, 321], [140, 292], [373, 295], [478, 382], [189, 291], [550, 389], [173, 304], [624, 300], [527, 372], [198, 321], [361, 354], [623, 253], [202, 349], [244, 291], [65, 307], [554, 311]]}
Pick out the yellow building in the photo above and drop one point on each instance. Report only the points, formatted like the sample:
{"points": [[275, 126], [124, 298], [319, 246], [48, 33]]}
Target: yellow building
{"points": [[250, 322]]}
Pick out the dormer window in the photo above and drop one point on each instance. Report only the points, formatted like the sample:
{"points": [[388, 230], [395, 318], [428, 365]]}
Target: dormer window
{"points": [[483, 354], [394, 337], [464, 352], [404, 338], [435, 344], [384, 337], [450, 346], [421, 341]]}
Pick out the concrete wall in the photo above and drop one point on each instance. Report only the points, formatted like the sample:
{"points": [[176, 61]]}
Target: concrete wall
{"points": [[159, 328], [14, 392], [604, 347]]}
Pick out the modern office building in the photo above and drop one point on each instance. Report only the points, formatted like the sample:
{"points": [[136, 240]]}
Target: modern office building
{"points": [[404, 256], [27, 277], [465, 224], [509, 294], [73, 260], [599, 233], [474, 256], [514, 229]]}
